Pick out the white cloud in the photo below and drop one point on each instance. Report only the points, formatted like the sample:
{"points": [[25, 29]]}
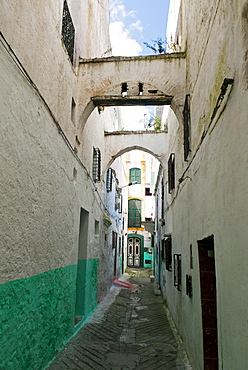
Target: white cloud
{"points": [[124, 26], [122, 31], [121, 42], [134, 117], [118, 11]]}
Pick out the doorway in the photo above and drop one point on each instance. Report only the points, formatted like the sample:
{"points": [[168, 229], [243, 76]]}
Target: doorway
{"points": [[82, 256], [208, 302], [134, 247]]}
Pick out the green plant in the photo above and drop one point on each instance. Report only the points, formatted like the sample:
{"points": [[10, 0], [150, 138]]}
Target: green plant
{"points": [[157, 123], [157, 46]]}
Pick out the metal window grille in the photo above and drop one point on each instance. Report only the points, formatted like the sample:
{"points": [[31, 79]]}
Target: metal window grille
{"points": [[186, 125], [96, 164], [68, 31], [178, 271], [168, 254], [109, 180], [171, 173]]}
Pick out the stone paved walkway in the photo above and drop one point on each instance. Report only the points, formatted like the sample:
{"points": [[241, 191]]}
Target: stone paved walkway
{"points": [[129, 330]]}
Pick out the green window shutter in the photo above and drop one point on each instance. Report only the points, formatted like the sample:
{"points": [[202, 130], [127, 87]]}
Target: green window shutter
{"points": [[135, 175], [134, 213]]}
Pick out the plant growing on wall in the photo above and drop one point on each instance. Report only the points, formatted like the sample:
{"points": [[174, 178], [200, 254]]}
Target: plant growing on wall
{"points": [[157, 47], [157, 123]]}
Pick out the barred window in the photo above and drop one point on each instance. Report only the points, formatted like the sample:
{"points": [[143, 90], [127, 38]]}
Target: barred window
{"points": [[178, 271], [171, 173], [109, 180], [96, 171], [68, 31]]}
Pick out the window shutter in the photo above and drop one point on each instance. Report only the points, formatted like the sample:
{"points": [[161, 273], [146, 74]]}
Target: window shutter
{"points": [[186, 125], [171, 173]]}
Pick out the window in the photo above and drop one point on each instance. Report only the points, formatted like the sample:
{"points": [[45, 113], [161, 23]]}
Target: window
{"points": [[189, 290], [68, 31], [168, 254], [171, 173], [118, 200], [114, 240], [96, 228], [109, 180], [96, 171], [148, 192], [162, 200], [186, 125], [135, 175], [134, 213], [177, 271]]}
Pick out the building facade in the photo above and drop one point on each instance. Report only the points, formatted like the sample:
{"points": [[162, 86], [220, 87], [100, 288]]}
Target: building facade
{"points": [[57, 253], [202, 190], [62, 227]]}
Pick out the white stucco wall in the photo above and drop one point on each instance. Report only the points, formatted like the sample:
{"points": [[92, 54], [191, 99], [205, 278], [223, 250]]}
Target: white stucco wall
{"points": [[214, 199]]}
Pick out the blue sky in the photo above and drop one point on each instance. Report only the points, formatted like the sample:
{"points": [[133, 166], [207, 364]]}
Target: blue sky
{"points": [[134, 22]]}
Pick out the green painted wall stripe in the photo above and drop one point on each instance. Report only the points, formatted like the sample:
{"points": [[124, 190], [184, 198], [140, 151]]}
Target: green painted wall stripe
{"points": [[87, 286], [37, 314]]}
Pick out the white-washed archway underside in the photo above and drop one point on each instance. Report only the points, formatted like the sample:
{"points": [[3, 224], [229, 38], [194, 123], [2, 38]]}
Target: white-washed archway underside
{"points": [[118, 143], [122, 81]]}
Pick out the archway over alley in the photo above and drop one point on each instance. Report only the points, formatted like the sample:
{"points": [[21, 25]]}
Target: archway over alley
{"points": [[120, 142], [143, 80]]}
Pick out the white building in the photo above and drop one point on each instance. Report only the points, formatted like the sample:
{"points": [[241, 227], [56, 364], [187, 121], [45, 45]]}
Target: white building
{"points": [[202, 243]]}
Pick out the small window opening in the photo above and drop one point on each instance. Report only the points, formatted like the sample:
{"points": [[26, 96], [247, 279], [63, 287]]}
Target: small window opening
{"points": [[96, 228], [140, 88], [124, 89], [73, 111], [148, 192], [178, 271], [191, 257], [171, 173]]}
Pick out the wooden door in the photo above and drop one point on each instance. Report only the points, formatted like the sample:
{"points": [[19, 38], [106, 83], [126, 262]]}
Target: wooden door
{"points": [[208, 303], [133, 252]]}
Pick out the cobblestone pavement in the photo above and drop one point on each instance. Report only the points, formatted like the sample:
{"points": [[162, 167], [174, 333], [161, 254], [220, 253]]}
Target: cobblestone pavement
{"points": [[130, 330]]}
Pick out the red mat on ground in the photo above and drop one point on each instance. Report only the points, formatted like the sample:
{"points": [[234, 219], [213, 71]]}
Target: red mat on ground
{"points": [[124, 284]]}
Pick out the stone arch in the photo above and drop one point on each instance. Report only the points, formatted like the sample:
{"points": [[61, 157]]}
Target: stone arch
{"points": [[101, 82], [110, 159]]}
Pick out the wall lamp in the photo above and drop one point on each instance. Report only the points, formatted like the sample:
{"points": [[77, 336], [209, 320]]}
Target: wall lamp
{"points": [[129, 184]]}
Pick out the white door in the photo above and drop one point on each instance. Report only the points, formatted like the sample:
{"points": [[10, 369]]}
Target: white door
{"points": [[133, 259]]}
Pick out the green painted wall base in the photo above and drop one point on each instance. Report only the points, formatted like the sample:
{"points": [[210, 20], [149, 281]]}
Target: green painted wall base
{"points": [[37, 318], [87, 285], [37, 314]]}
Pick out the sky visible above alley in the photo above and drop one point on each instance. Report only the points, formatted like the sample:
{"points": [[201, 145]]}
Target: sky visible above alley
{"points": [[134, 22]]}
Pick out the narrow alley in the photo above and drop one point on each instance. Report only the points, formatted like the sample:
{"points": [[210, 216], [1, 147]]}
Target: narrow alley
{"points": [[128, 330]]}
